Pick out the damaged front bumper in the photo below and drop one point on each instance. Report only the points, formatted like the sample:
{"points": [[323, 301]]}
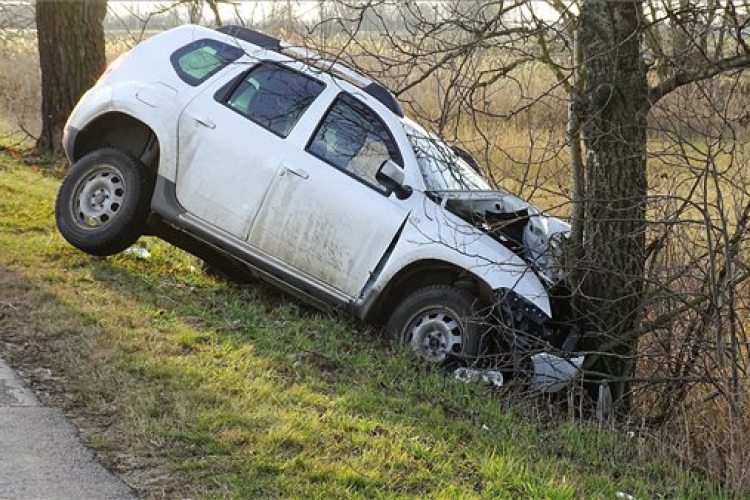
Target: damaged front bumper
{"points": [[531, 334], [553, 373]]}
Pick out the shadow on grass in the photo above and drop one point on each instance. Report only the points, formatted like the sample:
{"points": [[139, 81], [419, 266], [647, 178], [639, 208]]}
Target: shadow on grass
{"points": [[343, 398]]}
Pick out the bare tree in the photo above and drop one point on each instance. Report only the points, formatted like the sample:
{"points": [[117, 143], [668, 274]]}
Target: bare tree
{"points": [[614, 110], [71, 57], [195, 10]]}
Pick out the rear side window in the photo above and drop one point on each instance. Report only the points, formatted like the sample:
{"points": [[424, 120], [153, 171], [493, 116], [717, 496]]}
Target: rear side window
{"points": [[198, 61], [274, 97]]}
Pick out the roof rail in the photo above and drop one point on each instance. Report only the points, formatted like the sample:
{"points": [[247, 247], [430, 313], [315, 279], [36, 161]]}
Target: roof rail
{"points": [[252, 36], [374, 89], [385, 96]]}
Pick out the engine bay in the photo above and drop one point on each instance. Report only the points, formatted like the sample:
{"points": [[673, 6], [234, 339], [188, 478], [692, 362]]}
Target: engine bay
{"points": [[522, 228]]}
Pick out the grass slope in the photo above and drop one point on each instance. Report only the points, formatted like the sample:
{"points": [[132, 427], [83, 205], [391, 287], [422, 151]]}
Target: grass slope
{"points": [[189, 386]]}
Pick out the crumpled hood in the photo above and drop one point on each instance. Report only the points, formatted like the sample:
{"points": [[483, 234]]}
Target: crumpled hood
{"points": [[518, 224]]}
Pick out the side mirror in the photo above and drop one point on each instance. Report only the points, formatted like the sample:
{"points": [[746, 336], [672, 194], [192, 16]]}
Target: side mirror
{"points": [[391, 176]]}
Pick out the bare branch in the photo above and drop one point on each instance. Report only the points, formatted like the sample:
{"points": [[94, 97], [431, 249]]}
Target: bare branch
{"points": [[681, 78]]}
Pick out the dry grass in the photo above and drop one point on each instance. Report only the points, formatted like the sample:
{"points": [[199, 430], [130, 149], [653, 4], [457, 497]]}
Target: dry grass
{"points": [[20, 84]]}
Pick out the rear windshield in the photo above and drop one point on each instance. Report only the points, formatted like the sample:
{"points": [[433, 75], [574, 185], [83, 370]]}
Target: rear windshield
{"points": [[198, 61]]}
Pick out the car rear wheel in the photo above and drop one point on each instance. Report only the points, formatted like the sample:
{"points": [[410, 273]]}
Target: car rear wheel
{"points": [[103, 202], [440, 324]]}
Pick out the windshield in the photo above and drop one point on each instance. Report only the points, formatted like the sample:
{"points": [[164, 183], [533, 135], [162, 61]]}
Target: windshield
{"points": [[441, 168]]}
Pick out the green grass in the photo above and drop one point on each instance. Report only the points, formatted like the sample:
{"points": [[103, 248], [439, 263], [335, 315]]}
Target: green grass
{"points": [[191, 386]]}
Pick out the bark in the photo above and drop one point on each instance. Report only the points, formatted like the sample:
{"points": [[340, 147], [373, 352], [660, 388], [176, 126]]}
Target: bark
{"points": [[71, 56], [614, 108], [578, 174]]}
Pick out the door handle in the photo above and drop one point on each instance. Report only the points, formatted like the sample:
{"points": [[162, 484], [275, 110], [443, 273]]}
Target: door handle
{"points": [[298, 172], [205, 122]]}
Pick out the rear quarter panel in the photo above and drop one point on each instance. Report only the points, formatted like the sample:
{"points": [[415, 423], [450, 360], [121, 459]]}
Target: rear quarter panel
{"points": [[145, 86]]}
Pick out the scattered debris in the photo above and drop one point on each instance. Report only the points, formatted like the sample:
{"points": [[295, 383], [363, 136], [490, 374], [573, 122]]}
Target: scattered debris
{"points": [[138, 252], [604, 408], [624, 496], [470, 375]]}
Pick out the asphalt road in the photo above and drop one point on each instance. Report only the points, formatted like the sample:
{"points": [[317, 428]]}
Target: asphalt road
{"points": [[41, 456]]}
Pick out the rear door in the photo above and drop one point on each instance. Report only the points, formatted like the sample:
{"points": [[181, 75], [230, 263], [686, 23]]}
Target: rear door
{"points": [[231, 140], [326, 215]]}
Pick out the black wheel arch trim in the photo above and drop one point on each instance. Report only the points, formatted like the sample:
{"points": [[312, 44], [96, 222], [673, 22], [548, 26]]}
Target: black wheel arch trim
{"points": [[375, 307], [69, 141], [165, 202]]}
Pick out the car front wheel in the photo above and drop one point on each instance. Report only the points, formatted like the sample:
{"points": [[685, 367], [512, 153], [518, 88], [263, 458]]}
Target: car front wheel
{"points": [[439, 323], [104, 201]]}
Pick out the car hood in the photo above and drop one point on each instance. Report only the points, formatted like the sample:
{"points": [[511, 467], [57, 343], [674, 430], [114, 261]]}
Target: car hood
{"points": [[532, 234]]}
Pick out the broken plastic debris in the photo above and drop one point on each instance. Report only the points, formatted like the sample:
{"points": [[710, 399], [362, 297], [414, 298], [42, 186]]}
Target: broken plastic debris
{"points": [[552, 373], [624, 496], [470, 375], [138, 252], [604, 406]]}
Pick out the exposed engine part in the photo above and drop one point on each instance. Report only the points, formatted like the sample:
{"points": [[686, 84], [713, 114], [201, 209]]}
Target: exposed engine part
{"points": [[532, 235]]}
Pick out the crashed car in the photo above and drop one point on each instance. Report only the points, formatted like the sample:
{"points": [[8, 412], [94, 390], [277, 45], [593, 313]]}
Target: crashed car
{"points": [[267, 158]]}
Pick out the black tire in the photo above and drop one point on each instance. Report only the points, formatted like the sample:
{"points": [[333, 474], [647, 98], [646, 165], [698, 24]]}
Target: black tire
{"points": [[429, 320], [104, 201]]}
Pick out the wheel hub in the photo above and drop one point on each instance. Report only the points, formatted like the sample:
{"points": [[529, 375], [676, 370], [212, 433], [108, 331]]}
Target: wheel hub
{"points": [[434, 335], [99, 197]]}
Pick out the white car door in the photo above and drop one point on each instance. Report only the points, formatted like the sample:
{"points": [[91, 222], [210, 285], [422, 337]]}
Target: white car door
{"points": [[231, 138], [325, 214]]}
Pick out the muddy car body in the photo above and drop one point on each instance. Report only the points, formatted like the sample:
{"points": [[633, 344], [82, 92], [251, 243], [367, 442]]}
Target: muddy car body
{"points": [[264, 157]]}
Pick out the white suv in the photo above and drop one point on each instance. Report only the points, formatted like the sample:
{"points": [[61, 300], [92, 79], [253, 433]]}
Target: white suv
{"points": [[247, 151]]}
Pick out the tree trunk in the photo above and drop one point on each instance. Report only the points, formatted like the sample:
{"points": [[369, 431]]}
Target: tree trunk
{"points": [[613, 109], [71, 57]]}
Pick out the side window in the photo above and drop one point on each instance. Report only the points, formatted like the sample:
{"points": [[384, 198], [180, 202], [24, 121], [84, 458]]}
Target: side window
{"points": [[198, 61], [274, 97], [352, 138]]}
